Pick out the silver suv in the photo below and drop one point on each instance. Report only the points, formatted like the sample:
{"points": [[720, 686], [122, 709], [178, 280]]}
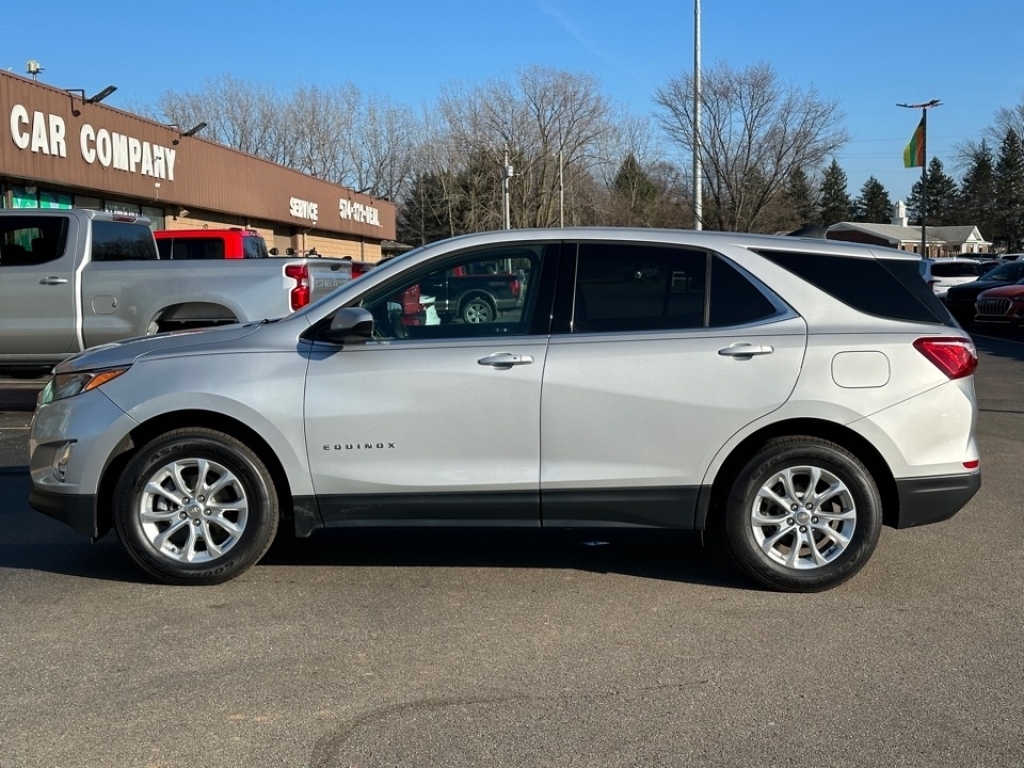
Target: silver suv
{"points": [[790, 395]]}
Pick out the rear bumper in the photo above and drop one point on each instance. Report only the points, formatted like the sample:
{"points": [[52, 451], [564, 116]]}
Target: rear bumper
{"points": [[925, 500]]}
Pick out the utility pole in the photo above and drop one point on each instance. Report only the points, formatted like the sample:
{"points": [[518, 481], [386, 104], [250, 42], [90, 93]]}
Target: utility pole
{"points": [[506, 175], [698, 170], [924, 165]]}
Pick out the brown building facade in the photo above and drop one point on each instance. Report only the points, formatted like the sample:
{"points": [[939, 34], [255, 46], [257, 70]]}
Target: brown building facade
{"points": [[59, 149]]}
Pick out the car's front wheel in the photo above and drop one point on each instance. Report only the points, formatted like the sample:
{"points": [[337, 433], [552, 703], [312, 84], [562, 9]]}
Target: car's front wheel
{"points": [[195, 506], [804, 515]]}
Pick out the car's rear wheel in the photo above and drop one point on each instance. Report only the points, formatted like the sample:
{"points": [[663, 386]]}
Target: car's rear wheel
{"points": [[477, 309], [195, 506], [804, 515]]}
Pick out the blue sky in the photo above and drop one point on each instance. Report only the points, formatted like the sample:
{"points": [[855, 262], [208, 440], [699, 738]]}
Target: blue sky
{"points": [[868, 55]]}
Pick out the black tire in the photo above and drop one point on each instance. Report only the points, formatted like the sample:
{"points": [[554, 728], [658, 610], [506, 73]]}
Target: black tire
{"points": [[836, 533], [181, 537], [477, 309]]}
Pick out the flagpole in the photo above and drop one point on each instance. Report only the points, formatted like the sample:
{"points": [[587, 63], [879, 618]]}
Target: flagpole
{"points": [[924, 168]]}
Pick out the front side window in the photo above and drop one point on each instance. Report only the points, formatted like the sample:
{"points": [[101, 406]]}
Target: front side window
{"points": [[483, 293]]}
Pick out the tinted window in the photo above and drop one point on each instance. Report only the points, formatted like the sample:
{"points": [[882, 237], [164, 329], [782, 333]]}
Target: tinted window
{"points": [[163, 247], [734, 299], [29, 240], [197, 248], [890, 288], [630, 287], [955, 269], [117, 241], [634, 287]]}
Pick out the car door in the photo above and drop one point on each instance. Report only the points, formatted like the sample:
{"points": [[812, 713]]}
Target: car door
{"points": [[646, 379], [37, 270], [431, 421]]}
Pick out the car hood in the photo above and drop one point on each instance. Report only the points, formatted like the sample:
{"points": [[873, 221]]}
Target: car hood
{"points": [[127, 351], [1003, 292]]}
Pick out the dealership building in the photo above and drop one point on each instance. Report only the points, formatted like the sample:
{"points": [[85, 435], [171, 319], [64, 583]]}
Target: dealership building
{"points": [[66, 149]]}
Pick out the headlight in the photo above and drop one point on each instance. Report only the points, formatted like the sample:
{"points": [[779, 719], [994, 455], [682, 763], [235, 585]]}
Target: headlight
{"points": [[65, 385]]}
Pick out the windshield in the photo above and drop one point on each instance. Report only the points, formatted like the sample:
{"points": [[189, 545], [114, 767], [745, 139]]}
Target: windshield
{"points": [[1006, 273]]}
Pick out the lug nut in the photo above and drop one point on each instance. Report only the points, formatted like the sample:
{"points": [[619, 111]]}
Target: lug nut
{"points": [[803, 529], [795, 507], [789, 520]]}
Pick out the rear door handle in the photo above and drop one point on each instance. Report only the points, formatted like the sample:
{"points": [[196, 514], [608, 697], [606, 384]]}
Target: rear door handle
{"points": [[745, 351], [505, 360], [53, 280]]}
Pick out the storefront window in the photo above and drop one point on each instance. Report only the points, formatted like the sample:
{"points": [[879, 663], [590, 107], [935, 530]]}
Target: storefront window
{"points": [[89, 203], [113, 206], [155, 216], [22, 198], [50, 199]]}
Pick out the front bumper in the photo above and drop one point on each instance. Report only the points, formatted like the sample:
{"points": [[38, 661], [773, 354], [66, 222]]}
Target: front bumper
{"points": [[925, 500], [77, 511]]}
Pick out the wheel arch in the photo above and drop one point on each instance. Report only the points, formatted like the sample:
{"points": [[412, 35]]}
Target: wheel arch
{"points": [[165, 422], [194, 314], [825, 430]]}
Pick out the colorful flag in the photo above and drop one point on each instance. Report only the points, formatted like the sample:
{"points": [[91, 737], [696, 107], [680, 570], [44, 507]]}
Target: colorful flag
{"points": [[913, 155]]}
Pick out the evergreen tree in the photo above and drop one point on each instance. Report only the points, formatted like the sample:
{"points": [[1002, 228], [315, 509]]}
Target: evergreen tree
{"points": [[800, 198], [835, 201], [942, 204], [873, 205], [977, 200], [634, 193], [1009, 185], [425, 214]]}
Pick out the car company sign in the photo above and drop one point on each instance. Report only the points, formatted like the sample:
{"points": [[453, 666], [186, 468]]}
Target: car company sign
{"points": [[46, 134]]}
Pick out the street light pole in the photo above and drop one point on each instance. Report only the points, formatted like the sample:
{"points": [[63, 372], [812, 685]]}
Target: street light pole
{"points": [[698, 170], [924, 167]]}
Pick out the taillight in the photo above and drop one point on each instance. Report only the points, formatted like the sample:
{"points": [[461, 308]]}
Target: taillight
{"points": [[954, 356], [515, 289], [300, 293]]}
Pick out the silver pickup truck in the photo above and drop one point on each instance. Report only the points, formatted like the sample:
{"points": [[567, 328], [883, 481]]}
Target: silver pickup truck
{"points": [[73, 279]]}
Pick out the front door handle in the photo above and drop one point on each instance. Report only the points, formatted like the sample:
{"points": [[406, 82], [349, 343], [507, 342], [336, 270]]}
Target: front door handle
{"points": [[505, 360], [744, 351], [52, 280]]}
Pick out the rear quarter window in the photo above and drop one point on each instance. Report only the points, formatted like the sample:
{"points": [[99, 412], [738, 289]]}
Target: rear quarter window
{"points": [[117, 241], [890, 288]]}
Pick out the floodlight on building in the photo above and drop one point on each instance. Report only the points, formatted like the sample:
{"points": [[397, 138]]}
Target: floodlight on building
{"points": [[96, 98]]}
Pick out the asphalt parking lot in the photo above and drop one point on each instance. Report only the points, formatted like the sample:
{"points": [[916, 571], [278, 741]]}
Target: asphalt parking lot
{"points": [[462, 649]]}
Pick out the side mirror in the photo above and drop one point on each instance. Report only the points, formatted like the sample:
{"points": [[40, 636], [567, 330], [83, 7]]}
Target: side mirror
{"points": [[349, 324]]}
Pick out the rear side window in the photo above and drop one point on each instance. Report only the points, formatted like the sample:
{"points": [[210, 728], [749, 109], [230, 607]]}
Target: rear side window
{"points": [[117, 241], [197, 248], [627, 287], [890, 288], [955, 269]]}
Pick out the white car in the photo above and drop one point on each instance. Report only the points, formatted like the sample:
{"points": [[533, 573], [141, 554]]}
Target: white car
{"points": [[789, 395], [942, 274]]}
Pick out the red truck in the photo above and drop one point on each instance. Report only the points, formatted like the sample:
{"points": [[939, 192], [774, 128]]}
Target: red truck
{"points": [[233, 243]]}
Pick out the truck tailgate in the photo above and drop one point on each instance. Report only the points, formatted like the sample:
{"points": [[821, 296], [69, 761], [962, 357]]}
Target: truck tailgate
{"points": [[326, 275]]}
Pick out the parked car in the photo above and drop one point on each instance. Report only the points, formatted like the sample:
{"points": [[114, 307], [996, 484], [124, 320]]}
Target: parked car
{"points": [[233, 243], [1003, 305], [941, 274], [960, 299], [789, 396]]}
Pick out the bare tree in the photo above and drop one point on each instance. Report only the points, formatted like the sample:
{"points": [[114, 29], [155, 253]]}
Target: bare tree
{"points": [[756, 132], [337, 134], [551, 123]]}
